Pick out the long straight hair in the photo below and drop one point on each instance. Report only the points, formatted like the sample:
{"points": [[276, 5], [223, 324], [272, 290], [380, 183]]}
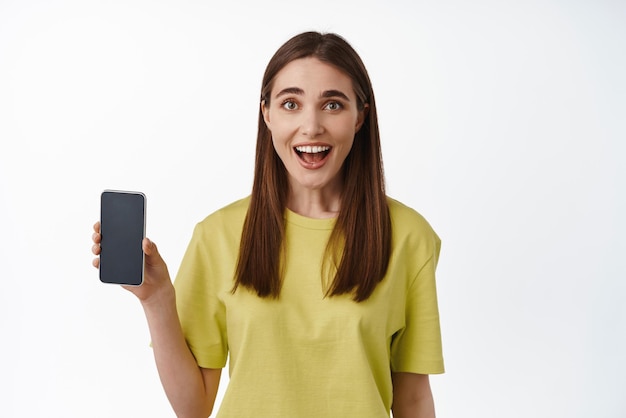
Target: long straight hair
{"points": [[359, 246]]}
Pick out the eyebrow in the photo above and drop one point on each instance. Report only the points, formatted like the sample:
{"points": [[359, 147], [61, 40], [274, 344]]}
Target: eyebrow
{"points": [[326, 94]]}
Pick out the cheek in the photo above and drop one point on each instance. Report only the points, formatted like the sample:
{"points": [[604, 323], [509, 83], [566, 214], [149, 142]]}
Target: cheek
{"points": [[278, 140], [276, 145], [281, 148], [279, 129], [346, 127], [346, 135]]}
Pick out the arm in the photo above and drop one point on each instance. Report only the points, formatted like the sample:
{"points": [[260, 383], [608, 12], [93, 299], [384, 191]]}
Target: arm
{"points": [[412, 397], [190, 389]]}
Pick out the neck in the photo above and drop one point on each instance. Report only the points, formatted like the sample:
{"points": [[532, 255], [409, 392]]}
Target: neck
{"points": [[315, 203]]}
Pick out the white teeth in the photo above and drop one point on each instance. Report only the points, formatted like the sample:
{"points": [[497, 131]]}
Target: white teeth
{"points": [[312, 149]]}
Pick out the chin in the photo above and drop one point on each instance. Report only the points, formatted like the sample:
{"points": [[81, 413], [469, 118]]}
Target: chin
{"points": [[317, 183], [312, 185]]}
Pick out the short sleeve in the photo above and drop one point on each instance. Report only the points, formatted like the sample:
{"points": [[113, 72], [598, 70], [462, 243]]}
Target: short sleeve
{"points": [[201, 312], [417, 347]]}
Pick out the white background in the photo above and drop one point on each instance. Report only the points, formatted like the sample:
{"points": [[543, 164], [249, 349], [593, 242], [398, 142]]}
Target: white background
{"points": [[502, 122]]}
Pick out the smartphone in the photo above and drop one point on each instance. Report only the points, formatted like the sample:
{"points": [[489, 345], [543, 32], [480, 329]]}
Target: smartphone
{"points": [[123, 228]]}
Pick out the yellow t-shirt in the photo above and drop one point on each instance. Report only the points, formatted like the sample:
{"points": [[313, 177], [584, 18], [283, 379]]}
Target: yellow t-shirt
{"points": [[305, 355]]}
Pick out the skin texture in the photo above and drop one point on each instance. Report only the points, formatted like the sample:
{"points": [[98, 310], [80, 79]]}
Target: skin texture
{"points": [[412, 396], [311, 104]]}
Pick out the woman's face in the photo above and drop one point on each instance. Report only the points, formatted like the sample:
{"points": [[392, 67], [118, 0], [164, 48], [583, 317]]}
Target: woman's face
{"points": [[313, 117]]}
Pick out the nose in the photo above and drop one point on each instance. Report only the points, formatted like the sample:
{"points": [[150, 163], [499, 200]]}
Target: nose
{"points": [[311, 125]]}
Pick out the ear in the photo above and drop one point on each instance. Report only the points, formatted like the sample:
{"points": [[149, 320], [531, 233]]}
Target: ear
{"points": [[266, 113], [360, 120]]}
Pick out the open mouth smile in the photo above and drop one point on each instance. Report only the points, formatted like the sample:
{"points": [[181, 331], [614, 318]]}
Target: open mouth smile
{"points": [[312, 154]]}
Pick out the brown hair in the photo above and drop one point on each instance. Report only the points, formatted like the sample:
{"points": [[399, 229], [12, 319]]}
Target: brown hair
{"points": [[360, 243]]}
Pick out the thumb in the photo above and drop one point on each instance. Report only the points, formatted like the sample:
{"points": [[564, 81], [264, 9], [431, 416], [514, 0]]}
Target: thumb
{"points": [[153, 257], [150, 248]]}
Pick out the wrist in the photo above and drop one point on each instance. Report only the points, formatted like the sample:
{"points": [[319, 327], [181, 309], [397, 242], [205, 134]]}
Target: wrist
{"points": [[160, 300]]}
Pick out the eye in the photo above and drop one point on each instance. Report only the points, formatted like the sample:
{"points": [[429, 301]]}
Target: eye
{"points": [[333, 106], [289, 105]]}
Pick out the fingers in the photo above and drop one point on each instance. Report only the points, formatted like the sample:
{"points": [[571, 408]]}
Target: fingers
{"points": [[96, 238], [95, 248]]}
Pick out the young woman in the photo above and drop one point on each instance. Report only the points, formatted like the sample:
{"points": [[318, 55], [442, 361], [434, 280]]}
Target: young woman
{"points": [[319, 287]]}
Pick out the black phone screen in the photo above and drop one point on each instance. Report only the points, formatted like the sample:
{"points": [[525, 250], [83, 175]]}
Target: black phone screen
{"points": [[122, 226]]}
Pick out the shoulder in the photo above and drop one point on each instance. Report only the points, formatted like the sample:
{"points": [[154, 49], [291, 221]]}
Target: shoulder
{"points": [[223, 225], [216, 238], [405, 217], [229, 216], [410, 230]]}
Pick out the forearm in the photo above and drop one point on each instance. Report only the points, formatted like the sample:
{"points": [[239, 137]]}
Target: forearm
{"points": [[412, 396], [422, 409], [178, 370]]}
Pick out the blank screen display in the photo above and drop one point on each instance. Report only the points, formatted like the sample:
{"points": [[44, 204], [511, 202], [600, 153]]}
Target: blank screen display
{"points": [[122, 228]]}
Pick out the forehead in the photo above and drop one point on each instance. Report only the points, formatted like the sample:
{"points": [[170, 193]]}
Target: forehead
{"points": [[312, 76]]}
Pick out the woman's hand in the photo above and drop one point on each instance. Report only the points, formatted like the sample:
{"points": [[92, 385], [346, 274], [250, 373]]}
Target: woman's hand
{"points": [[157, 285]]}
